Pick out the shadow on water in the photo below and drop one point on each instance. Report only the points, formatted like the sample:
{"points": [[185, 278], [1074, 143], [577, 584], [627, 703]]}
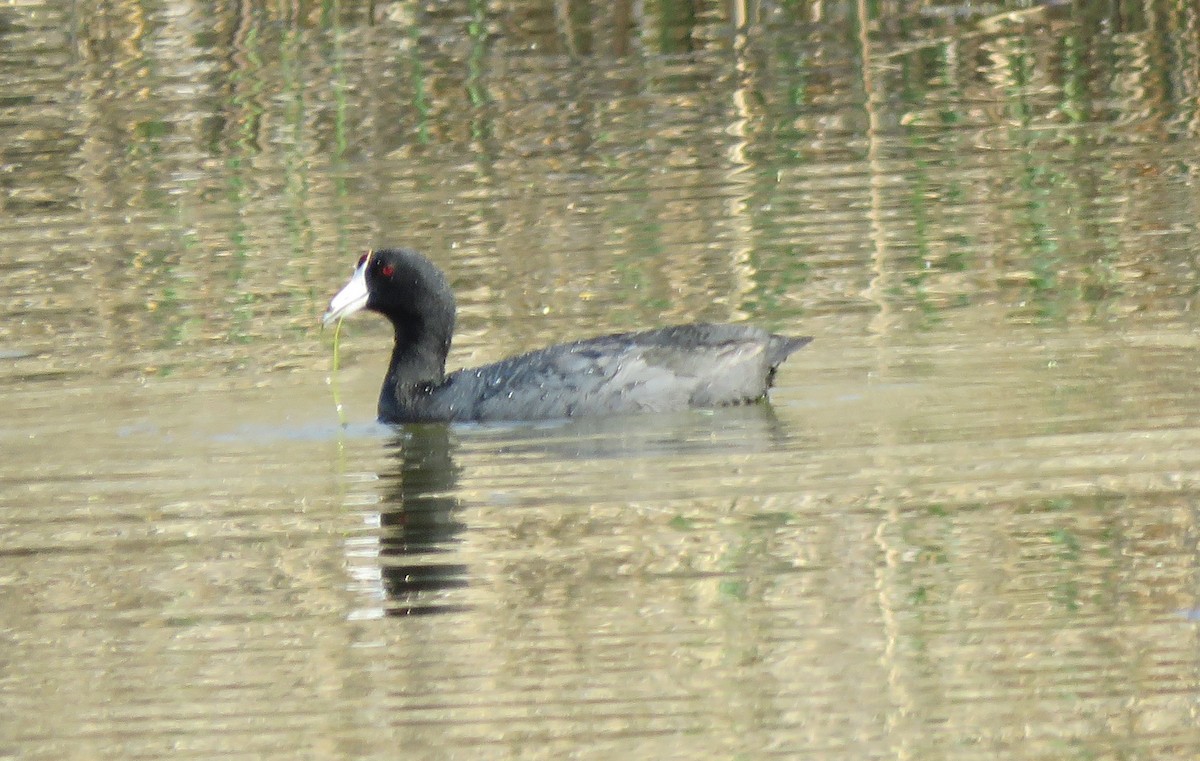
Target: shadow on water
{"points": [[420, 527], [746, 428]]}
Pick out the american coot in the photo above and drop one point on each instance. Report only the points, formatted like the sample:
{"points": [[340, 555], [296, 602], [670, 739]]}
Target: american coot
{"points": [[669, 369]]}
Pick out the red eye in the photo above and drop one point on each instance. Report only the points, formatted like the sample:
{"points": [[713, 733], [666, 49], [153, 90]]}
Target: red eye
{"points": [[388, 270]]}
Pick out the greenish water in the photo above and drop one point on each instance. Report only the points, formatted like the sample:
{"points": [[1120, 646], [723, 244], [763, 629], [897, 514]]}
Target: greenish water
{"points": [[966, 527]]}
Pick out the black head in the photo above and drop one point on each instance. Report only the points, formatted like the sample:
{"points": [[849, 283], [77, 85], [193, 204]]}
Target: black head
{"points": [[405, 287]]}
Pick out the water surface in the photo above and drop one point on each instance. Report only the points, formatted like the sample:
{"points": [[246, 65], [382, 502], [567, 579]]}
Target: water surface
{"points": [[966, 526]]}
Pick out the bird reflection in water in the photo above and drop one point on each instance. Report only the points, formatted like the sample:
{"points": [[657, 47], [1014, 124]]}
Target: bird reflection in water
{"points": [[419, 525]]}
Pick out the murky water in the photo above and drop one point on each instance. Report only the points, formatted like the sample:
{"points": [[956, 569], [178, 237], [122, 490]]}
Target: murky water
{"points": [[967, 526]]}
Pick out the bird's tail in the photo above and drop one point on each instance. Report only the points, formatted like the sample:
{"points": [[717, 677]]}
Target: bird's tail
{"points": [[780, 348]]}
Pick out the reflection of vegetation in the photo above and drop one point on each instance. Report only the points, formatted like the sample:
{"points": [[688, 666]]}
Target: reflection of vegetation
{"points": [[293, 128], [780, 276], [476, 62], [1068, 541], [1060, 559], [676, 24], [419, 99], [152, 129]]}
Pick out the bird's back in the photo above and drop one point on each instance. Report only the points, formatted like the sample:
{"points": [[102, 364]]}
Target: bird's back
{"points": [[669, 369]]}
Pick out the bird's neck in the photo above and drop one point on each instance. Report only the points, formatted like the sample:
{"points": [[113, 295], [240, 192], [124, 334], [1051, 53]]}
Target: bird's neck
{"points": [[418, 365]]}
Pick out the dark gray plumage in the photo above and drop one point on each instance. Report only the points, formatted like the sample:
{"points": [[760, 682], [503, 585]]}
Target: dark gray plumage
{"points": [[663, 370]]}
